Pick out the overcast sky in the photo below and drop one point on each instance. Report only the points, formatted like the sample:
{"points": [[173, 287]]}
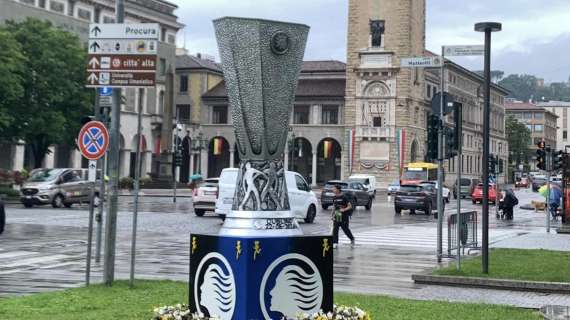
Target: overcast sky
{"points": [[535, 37]]}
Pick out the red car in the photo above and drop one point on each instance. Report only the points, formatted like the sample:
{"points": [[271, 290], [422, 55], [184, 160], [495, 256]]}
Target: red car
{"points": [[477, 194]]}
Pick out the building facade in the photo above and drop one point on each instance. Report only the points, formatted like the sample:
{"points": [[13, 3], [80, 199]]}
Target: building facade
{"points": [[316, 140], [387, 106], [156, 103], [560, 109]]}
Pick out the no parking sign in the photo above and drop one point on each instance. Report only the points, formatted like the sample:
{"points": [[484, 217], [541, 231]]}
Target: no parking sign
{"points": [[93, 140]]}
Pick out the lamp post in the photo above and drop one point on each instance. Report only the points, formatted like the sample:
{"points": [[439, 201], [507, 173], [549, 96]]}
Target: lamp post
{"points": [[487, 28], [292, 150]]}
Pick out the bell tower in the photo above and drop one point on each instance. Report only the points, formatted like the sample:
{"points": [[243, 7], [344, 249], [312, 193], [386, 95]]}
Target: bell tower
{"points": [[385, 105]]}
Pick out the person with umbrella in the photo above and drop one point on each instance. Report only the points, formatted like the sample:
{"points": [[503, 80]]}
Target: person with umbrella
{"points": [[554, 199]]}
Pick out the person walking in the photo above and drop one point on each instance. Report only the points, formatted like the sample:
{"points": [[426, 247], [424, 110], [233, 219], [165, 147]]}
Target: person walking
{"points": [[508, 203], [342, 210], [554, 199]]}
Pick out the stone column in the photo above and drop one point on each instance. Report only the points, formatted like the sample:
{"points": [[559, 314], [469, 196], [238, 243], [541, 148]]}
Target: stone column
{"points": [[18, 150], [49, 158], [192, 155], [124, 164], [314, 169], [204, 162], [75, 159], [232, 155], [286, 158], [147, 164], [342, 160]]}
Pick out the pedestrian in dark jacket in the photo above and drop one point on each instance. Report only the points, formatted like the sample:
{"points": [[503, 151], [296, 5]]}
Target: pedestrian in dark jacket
{"points": [[341, 215], [509, 202]]}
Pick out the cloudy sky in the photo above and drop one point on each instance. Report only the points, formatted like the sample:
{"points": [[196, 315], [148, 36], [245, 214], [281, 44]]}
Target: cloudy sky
{"points": [[535, 37]]}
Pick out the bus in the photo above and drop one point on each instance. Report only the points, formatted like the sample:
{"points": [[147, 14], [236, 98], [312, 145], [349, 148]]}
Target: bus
{"points": [[417, 172]]}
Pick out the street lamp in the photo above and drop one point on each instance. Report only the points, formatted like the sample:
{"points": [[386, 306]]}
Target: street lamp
{"points": [[292, 150], [487, 28]]}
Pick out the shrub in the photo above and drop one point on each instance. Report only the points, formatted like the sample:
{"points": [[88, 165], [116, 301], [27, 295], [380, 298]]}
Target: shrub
{"points": [[126, 183], [145, 180], [9, 192]]}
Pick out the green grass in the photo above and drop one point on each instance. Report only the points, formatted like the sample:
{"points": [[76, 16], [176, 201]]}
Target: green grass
{"points": [[120, 303], [517, 264]]}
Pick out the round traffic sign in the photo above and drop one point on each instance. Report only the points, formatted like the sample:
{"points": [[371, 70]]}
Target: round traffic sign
{"points": [[93, 140]]}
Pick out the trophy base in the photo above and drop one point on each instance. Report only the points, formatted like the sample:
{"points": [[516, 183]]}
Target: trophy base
{"points": [[261, 223]]}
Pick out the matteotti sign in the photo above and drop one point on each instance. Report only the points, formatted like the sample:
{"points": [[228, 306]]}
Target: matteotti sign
{"points": [[122, 55]]}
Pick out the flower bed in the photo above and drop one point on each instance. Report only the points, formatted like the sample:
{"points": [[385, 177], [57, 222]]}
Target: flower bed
{"points": [[181, 312]]}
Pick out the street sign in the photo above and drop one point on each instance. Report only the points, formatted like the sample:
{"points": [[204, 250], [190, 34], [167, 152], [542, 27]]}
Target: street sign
{"points": [[124, 31], [421, 62], [120, 46], [92, 171], [122, 55], [474, 50], [93, 140], [105, 92]]}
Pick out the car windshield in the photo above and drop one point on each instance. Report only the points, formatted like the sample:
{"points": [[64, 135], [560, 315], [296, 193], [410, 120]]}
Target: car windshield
{"points": [[465, 182], [409, 188], [45, 175], [395, 183], [210, 184], [330, 184], [415, 175]]}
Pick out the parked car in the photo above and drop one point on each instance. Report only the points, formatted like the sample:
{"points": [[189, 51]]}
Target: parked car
{"points": [[393, 187], [368, 181], [414, 197], [521, 182], [445, 192], [204, 196], [356, 191], [302, 199], [467, 187], [2, 217], [58, 187], [537, 182], [477, 195]]}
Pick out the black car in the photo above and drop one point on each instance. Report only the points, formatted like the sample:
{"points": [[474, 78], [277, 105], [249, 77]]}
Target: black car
{"points": [[357, 193], [538, 182], [2, 217], [414, 197]]}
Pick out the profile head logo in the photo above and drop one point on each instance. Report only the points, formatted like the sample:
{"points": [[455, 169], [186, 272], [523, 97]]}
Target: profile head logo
{"points": [[291, 285], [214, 287]]}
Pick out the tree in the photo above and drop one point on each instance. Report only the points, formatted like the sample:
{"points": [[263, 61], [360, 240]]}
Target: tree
{"points": [[522, 87], [55, 97], [519, 139], [11, 82]]}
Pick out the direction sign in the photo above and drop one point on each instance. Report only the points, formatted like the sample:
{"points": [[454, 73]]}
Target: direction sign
{"points": [[474, 50], [105, 92], [124, 31], [121, 46], [125, 63], [120, 79], [93, 140], [419, 62]]}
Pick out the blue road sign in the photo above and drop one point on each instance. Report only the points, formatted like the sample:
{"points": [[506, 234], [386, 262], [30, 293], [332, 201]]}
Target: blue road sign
{"points": [[105, 92]]}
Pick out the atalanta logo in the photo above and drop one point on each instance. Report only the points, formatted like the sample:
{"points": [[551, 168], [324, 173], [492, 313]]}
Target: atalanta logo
{"points": [[291, 285], [215, 287]]}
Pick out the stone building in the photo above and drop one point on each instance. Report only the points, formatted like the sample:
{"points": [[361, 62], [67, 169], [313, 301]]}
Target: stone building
{"points": [[75, 16], [387, 106], [560, 109], [315, 147]]}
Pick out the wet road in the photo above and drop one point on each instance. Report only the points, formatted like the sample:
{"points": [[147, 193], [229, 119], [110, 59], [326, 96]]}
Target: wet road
{"points": [[44, 249]]}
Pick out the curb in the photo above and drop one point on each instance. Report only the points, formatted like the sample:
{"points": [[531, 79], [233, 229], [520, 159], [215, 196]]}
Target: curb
{"points": [[500, 284]]}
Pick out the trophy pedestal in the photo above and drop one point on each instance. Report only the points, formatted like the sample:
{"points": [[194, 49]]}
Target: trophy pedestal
{"points": [[248, 277]]}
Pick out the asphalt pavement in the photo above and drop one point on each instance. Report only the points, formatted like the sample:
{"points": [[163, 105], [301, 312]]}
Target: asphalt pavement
{"points": [[44, 249]]}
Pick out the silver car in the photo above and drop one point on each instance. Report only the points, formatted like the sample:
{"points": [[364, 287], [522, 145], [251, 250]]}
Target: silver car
{"points": [[58, 187]]}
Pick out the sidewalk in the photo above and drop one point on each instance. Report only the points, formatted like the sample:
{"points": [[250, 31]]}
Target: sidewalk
{"points": [[547, 241]]}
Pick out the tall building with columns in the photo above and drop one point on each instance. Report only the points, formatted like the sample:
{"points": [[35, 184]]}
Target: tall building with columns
{"points": [[157, 103], [387, 106]]}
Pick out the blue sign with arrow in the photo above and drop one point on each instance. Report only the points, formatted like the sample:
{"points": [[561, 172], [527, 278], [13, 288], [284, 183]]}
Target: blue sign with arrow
{"points": [[105, 91]]}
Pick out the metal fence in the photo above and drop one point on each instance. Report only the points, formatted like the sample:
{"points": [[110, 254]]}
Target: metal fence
{"points": [[468, 232]]}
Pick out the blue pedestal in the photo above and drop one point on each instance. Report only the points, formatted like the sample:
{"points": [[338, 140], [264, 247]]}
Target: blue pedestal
{"points": [[260, 278]]}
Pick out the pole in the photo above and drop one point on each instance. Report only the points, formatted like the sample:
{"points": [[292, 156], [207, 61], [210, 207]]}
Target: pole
{"points": [[486, 142], [497, 189], [547, 206], [137, 188], [458, 187], [111, 223], [99, 215], [90, 232], [440, 160], [175, 166]]}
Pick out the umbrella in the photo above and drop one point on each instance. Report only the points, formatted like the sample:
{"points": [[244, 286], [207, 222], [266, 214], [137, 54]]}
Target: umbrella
{"points": [[196, 177], [543, 191]]}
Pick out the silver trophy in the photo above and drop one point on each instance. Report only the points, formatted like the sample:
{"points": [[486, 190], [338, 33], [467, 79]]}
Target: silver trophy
{"points": [[261, 61]]}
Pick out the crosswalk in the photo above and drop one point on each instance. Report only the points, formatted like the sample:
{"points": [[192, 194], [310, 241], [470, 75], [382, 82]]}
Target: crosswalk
{"points": [[413, 237]]}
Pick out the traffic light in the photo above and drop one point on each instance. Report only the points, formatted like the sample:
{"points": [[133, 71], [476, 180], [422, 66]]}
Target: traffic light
{"points": [[492, 164], [557, 160], [501, 165], [450, 146], [433, 125], [178, 159], [541, 156]]}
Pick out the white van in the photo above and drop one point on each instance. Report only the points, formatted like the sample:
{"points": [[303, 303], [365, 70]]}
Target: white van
{"points": [[302, 199], [369, 182]]}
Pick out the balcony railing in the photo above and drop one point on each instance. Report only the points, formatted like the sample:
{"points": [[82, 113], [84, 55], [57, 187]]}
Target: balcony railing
{"points": [[374, 132]]}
